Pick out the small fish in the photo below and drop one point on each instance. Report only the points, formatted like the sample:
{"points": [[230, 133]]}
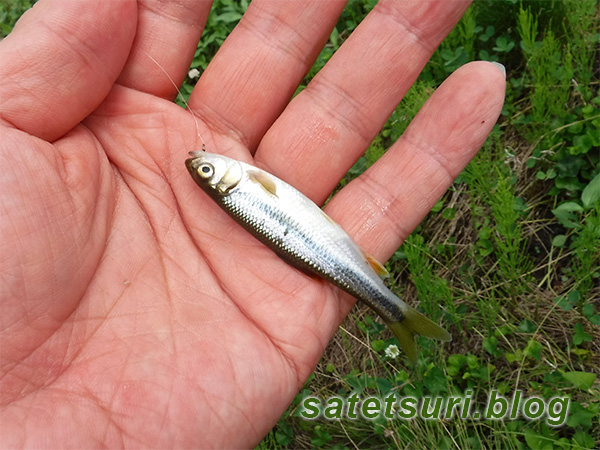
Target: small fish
{"points": [[300, 232]]}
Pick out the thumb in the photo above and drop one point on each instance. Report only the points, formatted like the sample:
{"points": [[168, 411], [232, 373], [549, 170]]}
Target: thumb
{"points": [[60, 62]]}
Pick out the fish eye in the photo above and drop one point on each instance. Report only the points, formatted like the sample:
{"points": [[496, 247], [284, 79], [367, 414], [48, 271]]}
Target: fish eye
{"points": [[206, 170]]}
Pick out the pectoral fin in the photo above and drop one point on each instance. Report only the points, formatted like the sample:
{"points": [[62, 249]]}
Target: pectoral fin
{"points": [[230, 180]]}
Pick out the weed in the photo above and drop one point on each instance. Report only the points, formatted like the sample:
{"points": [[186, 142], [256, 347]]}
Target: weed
{"points": [[509, 257]]}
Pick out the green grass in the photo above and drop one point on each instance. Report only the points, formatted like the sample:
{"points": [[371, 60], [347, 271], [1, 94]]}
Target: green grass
{"points": [[511, 252]]}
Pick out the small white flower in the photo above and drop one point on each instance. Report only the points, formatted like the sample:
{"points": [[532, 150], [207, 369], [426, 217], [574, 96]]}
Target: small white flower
{"points": [[193, 74], [392, 351]]}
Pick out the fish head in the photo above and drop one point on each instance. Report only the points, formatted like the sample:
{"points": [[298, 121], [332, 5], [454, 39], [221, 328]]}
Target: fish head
{"points": [[216, 174]]}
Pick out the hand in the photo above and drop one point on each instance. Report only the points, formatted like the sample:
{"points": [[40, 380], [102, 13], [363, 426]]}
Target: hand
{"points": [[135, 312]]}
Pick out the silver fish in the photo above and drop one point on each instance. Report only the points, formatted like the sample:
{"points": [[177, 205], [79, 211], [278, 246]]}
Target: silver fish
{"points": [[300, 232]]}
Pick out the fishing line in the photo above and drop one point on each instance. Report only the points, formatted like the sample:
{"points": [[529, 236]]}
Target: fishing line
{"points": [[180, 95]]}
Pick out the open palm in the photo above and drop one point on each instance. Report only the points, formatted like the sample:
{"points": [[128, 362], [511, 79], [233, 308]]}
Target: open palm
{"points": [[134, 312]]}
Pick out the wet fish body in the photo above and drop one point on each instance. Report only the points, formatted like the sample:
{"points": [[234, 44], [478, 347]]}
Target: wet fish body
{"points": [[304, 236]]}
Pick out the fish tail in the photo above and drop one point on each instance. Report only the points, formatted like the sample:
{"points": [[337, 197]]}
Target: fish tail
{"points": [[414, 323]]}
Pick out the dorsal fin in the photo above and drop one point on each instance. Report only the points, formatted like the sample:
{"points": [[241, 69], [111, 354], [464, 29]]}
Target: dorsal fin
{"points": [[376, 265], [264, 181]]}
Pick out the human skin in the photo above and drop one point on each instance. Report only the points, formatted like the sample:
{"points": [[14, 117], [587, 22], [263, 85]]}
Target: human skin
{"points": [[134, 312]]}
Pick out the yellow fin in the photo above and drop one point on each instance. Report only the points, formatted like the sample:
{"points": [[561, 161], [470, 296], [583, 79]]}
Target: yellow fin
{"points": [[231, 179], [414, 323], [264, 181], [379, 269], [329, 219]]}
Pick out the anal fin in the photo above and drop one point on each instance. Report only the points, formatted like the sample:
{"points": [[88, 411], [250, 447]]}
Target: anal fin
{"points": [[379, 269]]}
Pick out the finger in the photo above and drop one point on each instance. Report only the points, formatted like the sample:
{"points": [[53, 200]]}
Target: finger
{"points": [[329, 124], [381, 207], [60, 62], [166, 39], [259, 66]]}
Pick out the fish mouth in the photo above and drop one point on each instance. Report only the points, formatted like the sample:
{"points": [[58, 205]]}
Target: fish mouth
{"points": [[194, 162], [191, 164]]}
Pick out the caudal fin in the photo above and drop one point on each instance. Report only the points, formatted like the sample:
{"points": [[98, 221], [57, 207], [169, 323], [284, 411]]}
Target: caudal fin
{"points": [[414, 323]]}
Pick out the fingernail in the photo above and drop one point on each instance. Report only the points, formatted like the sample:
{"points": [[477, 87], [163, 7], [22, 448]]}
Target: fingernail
{"points": [[501, 67]]}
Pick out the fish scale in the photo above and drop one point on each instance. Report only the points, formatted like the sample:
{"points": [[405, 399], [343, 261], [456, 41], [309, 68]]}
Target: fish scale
{"points": [[281, 230], [299, 232]]}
